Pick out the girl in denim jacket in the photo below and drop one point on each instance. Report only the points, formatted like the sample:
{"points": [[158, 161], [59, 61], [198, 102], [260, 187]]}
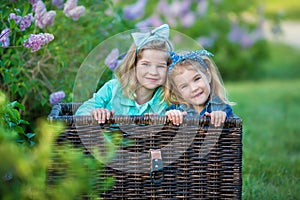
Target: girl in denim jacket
{"points": [[194, 87]]}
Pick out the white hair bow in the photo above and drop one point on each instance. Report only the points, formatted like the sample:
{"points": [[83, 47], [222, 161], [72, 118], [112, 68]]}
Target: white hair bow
{"points": [[159, 33]]}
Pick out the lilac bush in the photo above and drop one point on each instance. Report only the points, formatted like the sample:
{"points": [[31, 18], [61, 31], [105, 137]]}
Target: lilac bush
{"points": [[26, 77], [34, 64], [35, 41]]}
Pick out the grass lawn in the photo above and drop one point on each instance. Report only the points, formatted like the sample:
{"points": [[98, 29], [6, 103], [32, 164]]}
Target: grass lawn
{"points": [[271, 147]]}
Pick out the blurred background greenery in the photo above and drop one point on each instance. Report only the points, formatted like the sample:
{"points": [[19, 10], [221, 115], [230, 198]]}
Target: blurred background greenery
{"points": [[261, 73]]}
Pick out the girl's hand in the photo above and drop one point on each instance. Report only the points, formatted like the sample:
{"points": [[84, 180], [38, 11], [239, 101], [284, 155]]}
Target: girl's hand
{"points": [[101, 114], [176, 116], [217, 117]]}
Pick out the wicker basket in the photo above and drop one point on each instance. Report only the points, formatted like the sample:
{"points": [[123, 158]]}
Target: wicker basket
{"points": [[192, 161]]}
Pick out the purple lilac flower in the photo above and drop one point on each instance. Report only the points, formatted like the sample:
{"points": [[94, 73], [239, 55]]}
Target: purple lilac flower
{"points": [[72, 10], [42, 17], [242, 37], [145, 23], [171, 20], [154, 21], [111, 60], [4, 37], [56, 97], [26, 22], [246, 40], [175, 8], [202, 7], [185, 7], [161, 6], [58, 3], [188, 19], [33, 3], [234, 34], [207, 41], [35, 41], [136, 10], [15, 17]]}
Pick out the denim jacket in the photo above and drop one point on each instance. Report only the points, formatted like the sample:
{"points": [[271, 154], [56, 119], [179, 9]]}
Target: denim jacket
{"points": [[214, 104]]}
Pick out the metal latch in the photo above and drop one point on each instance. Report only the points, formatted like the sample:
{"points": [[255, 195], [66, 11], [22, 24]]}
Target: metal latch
{"points": [[157, 169]]}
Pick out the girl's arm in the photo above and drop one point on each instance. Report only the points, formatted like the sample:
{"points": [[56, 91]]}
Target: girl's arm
{"points": [[100, 99]]}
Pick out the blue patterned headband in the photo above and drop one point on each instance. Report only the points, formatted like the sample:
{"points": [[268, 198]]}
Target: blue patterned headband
{"points": [[160, 33], [192, 55]]}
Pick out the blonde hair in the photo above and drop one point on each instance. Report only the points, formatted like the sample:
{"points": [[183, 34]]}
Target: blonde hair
{"points": [[173, 96], [126, 72]]}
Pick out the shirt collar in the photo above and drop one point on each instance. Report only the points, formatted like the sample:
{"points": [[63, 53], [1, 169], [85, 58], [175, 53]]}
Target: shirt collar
{"points": [[153, 101]]}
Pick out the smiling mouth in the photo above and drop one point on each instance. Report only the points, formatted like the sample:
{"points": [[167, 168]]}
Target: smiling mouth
{"points": [[197, 95], [152, 79]]}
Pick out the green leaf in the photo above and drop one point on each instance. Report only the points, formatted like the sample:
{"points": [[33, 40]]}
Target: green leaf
{"points": [[31, 143], [19, 129], [11, 124], [17, 104], [13, 115], [21, 121], [14, 89], [25, 9], [108, 183], [30, 135], [20, 141]]}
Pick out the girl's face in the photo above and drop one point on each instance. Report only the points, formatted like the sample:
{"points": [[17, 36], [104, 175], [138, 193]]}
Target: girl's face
{"points": [[151, 69], [193, 86]]}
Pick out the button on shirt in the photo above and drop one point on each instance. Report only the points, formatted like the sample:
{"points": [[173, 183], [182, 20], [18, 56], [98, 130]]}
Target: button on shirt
{"points": [[110, 96]]}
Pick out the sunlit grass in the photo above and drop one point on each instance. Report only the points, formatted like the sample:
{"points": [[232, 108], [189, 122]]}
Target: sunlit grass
{"points": [[282, 63], [290, 8], [271, 147]]}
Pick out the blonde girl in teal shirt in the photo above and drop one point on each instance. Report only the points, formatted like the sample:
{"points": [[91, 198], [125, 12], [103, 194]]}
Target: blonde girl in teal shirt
{"points": [[140, 78]]}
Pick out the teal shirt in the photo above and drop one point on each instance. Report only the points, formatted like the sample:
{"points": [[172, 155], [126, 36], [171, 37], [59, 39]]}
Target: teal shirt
{"points": [[110, 96]]}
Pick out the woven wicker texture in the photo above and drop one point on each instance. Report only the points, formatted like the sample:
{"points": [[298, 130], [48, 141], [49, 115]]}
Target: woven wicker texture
{"points": [[199, 161]]}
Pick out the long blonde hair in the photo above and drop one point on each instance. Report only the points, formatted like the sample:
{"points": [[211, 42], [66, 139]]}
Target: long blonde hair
{"points": [[173, 96], [126, 72]]}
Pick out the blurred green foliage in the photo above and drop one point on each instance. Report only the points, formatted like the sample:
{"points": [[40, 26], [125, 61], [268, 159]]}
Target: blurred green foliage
{"points": [[10, 118], [25, 170]]}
